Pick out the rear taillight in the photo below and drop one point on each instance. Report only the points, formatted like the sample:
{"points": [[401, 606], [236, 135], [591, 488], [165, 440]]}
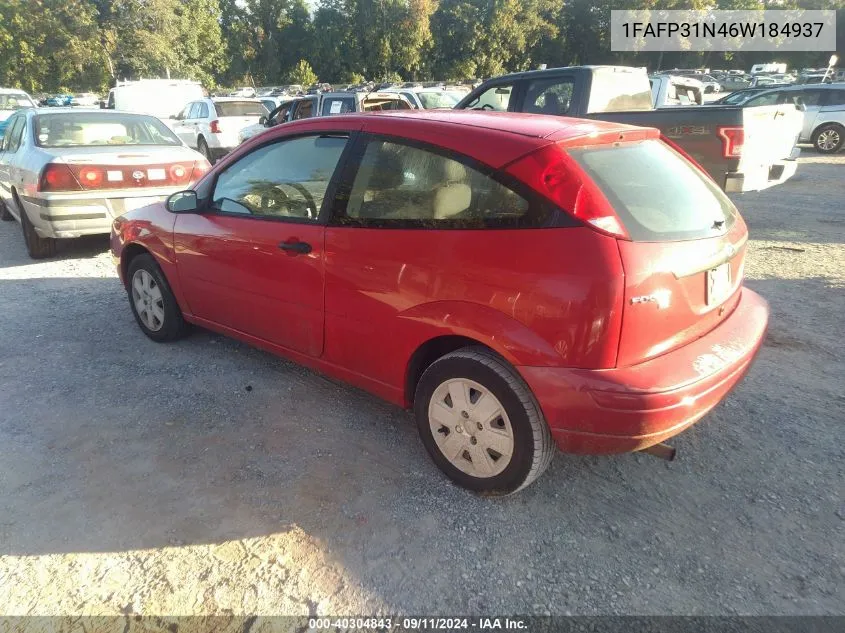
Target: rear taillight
{"points": [[200, 169], [58, 177], [69, 177], [556, 176], [215, 127], [732, 141]]}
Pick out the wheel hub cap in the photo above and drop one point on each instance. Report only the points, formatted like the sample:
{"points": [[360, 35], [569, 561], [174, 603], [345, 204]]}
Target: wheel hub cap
{"points": [[828, 139], [148, 300], [471, 428]]}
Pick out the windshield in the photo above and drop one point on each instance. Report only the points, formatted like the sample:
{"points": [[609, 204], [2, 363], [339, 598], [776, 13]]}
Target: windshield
{"points": [[658, 194], [85, 129], [240, 108], [15, 101], [444, 99]]}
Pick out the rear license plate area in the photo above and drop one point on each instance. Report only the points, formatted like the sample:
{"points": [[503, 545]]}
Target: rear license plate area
{"points": [[718, 283]]}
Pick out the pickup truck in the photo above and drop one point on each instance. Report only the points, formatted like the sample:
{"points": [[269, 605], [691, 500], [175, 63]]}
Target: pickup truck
{"points": [[326, 104], [743, 149]]}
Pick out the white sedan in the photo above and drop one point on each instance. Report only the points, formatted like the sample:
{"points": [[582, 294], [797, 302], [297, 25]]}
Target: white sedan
{"points": [[69, 172]]}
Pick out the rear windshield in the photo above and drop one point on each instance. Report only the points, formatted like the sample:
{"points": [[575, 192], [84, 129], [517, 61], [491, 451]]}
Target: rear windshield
{"points": [[338, 105], [76, 129], [15, 101], [240, 108], [658, 195]]}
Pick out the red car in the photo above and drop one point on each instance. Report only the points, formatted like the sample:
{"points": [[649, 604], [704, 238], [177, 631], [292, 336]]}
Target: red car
{"points": [[520, 281]]}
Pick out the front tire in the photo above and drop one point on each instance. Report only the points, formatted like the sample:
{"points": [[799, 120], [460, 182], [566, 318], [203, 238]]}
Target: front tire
{"points": [[481, 424], [828, 139], [153, 304], [38, 247]]}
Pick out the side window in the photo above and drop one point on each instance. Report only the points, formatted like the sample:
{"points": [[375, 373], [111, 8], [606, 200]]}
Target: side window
{"points": [[287, 179], [193, 113], [184, 112], [304, 109], [399, 186], [770, 98], [338, 105], [549, 96], [16, 134], [496, 98], [281, 114], [10, 126], [835, 98], [203, 110], [812, 97]]}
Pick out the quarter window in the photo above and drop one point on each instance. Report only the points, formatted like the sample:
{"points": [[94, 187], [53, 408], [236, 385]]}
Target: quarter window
{"points": [[400, 186], [286, 180], [496, 98]]}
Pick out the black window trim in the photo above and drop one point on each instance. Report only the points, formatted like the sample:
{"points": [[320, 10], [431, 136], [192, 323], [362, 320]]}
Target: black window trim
{"points": [[556, 217], [205, 207]]}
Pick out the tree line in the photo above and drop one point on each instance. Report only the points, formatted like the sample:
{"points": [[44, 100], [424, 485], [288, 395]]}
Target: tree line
{"points": [[81, 45]]}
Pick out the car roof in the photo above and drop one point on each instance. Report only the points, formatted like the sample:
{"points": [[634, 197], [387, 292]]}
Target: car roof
{"points": [[223, 99], [534, 73], [507, 123]]}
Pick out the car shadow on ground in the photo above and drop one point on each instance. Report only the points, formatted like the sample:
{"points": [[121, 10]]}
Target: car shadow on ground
{"points": [[110, 442]]}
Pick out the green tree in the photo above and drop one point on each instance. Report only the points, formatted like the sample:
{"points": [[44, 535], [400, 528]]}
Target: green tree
{"points": [[302, 74]]}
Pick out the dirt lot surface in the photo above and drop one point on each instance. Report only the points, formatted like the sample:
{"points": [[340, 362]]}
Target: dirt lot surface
{"points": [[207, 477]]}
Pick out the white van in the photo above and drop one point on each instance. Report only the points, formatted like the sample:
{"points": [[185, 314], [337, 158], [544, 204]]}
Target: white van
{"points": [[162, 98]]}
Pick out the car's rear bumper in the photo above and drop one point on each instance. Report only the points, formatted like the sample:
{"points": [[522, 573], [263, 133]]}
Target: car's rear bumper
{"points": [[75, 215], [630, 408], [763, 176]]}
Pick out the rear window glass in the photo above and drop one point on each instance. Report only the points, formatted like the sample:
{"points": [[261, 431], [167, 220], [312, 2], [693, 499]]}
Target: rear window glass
{"points": [[15, 101], [338, 105], [658, 195], [240, 108], [73, 129]]}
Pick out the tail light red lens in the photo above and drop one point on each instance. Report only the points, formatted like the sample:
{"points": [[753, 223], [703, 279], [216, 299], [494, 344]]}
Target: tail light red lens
{"points": [[556, 176], [215, 127], [64, 177], [201, 168], [733, 139], [58, 177]]}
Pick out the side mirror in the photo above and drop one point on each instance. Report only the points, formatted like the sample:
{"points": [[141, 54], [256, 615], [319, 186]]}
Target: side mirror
{"points": [[182, 202], [262, 120]]}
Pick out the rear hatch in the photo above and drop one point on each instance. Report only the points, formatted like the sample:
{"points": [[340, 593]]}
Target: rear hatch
{"points": [[233, 116], [684, 260]]}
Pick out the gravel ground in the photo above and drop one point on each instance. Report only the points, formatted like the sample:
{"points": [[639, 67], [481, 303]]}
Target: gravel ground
{"points": [[207, 477]]}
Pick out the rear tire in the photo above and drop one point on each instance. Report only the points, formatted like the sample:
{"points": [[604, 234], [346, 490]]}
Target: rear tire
{"points": [[202, 148], [38, 247], [155, 308], [492, 413], [828, 138]]}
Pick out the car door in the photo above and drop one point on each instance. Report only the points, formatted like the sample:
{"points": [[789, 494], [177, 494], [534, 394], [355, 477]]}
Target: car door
{"points": [[812, 98], [252, 260], [5, 158], [12, 176], [183, 127]]}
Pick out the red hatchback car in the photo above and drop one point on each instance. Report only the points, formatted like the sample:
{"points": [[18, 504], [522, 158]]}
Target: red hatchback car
{"points": [[520, 281]]}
